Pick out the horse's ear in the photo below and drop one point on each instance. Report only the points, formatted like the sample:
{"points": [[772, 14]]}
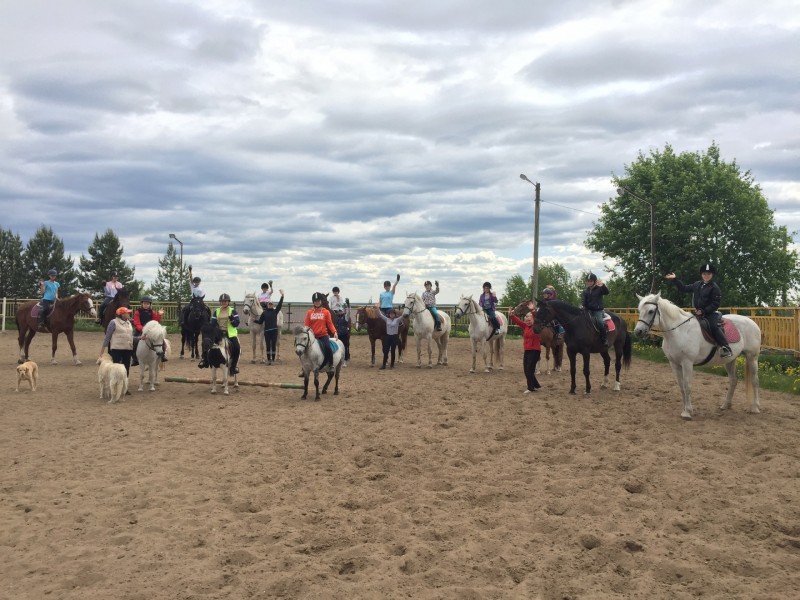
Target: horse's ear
{"points": [[658, 296], [640, 297]]}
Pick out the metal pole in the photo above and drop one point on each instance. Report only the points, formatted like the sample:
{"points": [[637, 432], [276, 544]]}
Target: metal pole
{"points": [[537, 201], [180, 277]]}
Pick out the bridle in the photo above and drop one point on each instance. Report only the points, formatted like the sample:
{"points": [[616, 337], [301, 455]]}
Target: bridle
{"points": [[413, 305], [655, 313], [302, 345], [472, 308]]}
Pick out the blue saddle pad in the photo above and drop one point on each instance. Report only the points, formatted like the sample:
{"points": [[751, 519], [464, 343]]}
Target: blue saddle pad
{"points": [[334, 345]]}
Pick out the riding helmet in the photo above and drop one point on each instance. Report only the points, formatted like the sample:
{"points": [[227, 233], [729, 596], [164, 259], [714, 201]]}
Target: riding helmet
{"points": [[487, 284], [335, 289], [264, 286], [147, 299], [428, 283], [196, 280], [114, 274], [224, 297], [591, 277], [708, 268], [549, 291], [317, 296], [52, 272]]}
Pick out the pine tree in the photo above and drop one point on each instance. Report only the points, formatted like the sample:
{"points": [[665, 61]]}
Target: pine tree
{"points": [[105, 257], [170, 284], [14, 279], [43, 252]]}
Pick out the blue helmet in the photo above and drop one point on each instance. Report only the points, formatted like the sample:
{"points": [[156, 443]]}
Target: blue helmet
{"points": [[52, 272]]}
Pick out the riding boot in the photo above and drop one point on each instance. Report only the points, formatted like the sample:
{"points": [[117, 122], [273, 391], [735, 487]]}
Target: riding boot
{"points": [[719, 336], [603, 336], [134, 358], [42, 326]]}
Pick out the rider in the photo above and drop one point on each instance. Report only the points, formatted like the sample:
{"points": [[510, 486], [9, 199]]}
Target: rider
{"points": [[429, 298], [265, 297], [271, 332], [488, 302], [49, 291], [387, 296], [340, 313], [197, 292], [593, 302], [336, 302], [549, 293], [706, 298], [320, 322], [227, 319], [110, 290], [141, 317]]}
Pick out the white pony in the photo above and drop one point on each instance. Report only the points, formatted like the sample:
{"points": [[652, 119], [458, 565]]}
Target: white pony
{"points": [[216, 354], [152, 346], [252, 311], [308, 349], [423, 324], [685, 347], [479, 330]]}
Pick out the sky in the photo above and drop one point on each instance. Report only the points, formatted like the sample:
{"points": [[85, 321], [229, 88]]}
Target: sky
{"points": [[323, 142]]}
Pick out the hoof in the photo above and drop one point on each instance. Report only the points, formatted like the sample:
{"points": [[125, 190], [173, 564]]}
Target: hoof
{"points": [[472, 370], [53, 361], [213, 391], [140, 389], [686, 417], [226, 393], [253, 361], [336, 393]]}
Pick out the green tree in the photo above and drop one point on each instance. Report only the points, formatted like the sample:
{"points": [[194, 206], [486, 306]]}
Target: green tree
{"points": [[170, 284], [105, 257], [554, 274], [705, 210], [15, 281], [45, 251]]}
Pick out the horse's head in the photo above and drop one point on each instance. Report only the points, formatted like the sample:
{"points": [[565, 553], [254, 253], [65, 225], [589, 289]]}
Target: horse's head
{"points": [[409, 306], [465, 306], [86, 304], [303, 336], [361, 318], [211, 335], [649, 314], [544, 314], [523, 308]]}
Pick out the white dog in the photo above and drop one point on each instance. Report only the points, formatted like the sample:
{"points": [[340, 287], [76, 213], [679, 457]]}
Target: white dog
{"points": [[113, 379], [28, 370]]}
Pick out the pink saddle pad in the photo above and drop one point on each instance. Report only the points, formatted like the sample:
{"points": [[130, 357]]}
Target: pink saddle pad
{"points": [[731, 333], [36, 310], [610, 326]]}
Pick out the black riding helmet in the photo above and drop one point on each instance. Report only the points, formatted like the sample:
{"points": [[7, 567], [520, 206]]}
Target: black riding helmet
{"points": [[591, 277], [708, 268], [196, 280], [224, 297], [317, 296], [147, 299]]}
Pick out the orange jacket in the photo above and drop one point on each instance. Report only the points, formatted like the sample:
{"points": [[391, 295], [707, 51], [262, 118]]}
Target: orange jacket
{"points": [[319, 319]]}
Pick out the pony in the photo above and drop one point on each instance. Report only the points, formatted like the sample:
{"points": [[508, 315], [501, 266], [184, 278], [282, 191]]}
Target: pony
{"points": [[61, 320], [424, 328], [110, 311], [216, 354], [252, 311], [582, 338], [479, 329], [198, 315], [552, 343], [308, 350], [152, 346], [685, 347], [367, 318]]}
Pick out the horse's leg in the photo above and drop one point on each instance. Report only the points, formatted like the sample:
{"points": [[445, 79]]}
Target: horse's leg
{"points": [[372, 343], [316, 384], [25, 346], [327, 382], [573, 358], [474, 354], [418, 339], [586, 358], [606, 367], [751, 381], [444, 338], [488, 356], [730, 367], [336, 385], [225, 377], [618, 346], [430, 349], [253, 342], [70, 338], [684, 371], [305, 385], [501, 348]]}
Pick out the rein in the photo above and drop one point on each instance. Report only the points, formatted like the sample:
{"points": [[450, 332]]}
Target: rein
{"points": [[413, 305], [650, 324]]}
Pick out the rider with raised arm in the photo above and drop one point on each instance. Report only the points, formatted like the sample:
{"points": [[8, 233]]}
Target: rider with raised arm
{"points": [[387, 296], [110, 289], [488, 302], [429, 298], [593, 302], [706, 299]]}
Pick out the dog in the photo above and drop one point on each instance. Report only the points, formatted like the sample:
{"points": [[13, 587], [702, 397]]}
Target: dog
{"points": [[30, 371], [113, 379]]}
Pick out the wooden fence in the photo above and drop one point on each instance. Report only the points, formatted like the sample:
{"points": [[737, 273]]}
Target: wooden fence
{"points": [[780, 326]]}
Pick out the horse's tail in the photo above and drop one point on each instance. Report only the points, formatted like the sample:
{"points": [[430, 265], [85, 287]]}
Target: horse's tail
{"points": [[627, 350]]}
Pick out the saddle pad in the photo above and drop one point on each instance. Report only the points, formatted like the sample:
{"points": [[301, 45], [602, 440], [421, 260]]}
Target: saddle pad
{"points": [[610, 326], [731, 333], [334, 345], [500, 318], [36, 310]]}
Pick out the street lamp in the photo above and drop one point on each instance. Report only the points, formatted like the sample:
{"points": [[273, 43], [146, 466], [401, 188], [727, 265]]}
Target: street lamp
{"points": [[180, 272], [535, 236], [620, 192]]}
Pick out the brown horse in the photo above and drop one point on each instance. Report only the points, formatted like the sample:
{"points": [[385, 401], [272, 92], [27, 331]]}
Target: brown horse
{"points": [[61, 320], [367, 317], [550, 341], [121, 299]]}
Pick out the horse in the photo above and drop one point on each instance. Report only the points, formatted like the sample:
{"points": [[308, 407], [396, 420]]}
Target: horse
{"points": [[479, 329], [343, 324], [61, 320], [252, 310], [152, 346], [582, 338], [551, 342], [216, 355], [110, 311], [198, 315], [685, 347], [367, 318], [310, 353], [424, 328]]}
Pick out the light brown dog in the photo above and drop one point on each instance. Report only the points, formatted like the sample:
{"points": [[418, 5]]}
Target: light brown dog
{"points": [[30, 371], [113, 379]]}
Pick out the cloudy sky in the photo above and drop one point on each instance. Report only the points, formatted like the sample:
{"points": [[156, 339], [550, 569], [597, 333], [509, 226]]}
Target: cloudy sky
{"points": [[325, 142]]}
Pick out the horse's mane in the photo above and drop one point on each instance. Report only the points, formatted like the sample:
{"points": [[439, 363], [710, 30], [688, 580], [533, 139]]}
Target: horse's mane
{"points": [[151, 327], [74, 299], [566, 306], [670, 310]]}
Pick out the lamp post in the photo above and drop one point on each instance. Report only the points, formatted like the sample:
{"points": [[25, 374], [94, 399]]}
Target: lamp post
{"points": [[620, 192], [180, 272], [537, 199]]}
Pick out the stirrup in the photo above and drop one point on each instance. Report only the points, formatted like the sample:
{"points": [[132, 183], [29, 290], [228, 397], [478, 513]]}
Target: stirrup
{"points": [[725, 352]]}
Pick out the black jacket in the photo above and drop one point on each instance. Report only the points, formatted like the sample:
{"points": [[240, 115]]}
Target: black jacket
{"points": [[705, 296], [593, 297], [270, 316]]}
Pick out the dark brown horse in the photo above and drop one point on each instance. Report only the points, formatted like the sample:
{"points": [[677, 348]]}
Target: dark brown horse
{"points": [[367, 317], [61, 320], [121, 299], [550, 341]]}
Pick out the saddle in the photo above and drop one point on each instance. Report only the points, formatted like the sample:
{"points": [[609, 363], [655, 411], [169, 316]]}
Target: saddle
{"points": [[729, 329]]}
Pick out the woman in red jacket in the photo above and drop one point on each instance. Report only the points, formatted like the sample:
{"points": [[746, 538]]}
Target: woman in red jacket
{"points": [[533, 349]]}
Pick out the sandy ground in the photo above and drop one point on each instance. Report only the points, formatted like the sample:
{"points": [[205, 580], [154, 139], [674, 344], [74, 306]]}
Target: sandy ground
{"points": [[409, 484]]}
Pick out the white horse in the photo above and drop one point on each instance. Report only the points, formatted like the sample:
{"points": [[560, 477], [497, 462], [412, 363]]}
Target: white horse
{"points": [[216, 354], [685, 347], [152, 346], [308, 349], [252, 311], [479, 329], [424, 328]]}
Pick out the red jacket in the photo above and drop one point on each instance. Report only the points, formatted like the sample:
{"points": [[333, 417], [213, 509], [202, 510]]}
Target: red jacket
{"points": [[530, 339], [320, 322], [137, 318]]}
